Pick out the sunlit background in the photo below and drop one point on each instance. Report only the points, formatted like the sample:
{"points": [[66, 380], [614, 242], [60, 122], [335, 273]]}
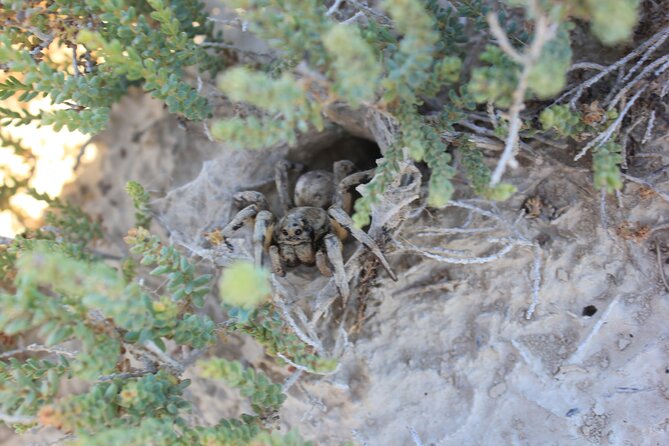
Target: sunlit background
{"points": [[55, 156]]}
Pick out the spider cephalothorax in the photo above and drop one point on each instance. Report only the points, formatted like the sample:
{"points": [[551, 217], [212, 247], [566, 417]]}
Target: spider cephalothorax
{"points": [[311, 232]]}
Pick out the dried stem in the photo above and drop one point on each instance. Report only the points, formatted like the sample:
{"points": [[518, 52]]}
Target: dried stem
{"points": [[660, 266], [578, 90], [16, 419], [39, 348], [536, 282], [545, 31], [334, 8], [645, 73]]}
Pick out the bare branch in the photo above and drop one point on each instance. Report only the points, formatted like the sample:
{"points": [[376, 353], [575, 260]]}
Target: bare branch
{"points": [[578, 90], [660, 266], [587, 66], [335, 6], [662, 63], [544, 31], [536, 282], [39, 348], [503, 39], [414, 436], [649, 128], [164, 357], [16, 419]]}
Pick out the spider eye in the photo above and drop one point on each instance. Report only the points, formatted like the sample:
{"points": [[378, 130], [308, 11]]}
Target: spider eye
{"points": [[284, 232], [298, 232]]}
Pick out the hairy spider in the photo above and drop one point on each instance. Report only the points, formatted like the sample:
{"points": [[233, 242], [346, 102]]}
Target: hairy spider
{"points": [[312, 228]]}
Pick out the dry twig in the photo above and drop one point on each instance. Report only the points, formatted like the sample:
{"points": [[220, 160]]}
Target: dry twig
{"points": [[544, 31], [660, 266]]}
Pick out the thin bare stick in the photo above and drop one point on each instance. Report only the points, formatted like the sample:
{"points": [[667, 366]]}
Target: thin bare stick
{"points": [[544, 31], [207, 133], [164, 357], [587, 66], [577, 356], [292, 379], [305, 368], [623, 142], [430, 232], [503, 40], [353, 18], [646, 72], [649, 128], [16, 419], [333, 8], [536, 282], [660, 266], [39, 348], [460, 261], [414, 436], [126, 375], [603, 219], [578, 90], [646, 55]]}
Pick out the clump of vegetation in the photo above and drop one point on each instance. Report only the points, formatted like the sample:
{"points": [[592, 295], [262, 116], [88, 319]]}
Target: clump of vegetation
{"points": [[130, 327]]}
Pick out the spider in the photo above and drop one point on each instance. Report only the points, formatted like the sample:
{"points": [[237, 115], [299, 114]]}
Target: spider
{"points": [[313, 227]]}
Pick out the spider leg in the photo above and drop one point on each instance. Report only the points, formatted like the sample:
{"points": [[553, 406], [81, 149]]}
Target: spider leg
{"points": [[262, 235], [254, 208], [248, 197], [246, 214], [281, 178], [341, 219], [275, 258], [250, 202], [321, 262], [346, 185], [334, 247]]}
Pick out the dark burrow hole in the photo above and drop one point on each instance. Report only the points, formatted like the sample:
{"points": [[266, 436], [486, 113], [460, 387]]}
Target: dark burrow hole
{"points": [[589, 310], [323, 154]]}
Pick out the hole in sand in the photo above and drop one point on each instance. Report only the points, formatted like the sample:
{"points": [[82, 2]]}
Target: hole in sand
{"points": [[589, 310], [323, 154]]}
